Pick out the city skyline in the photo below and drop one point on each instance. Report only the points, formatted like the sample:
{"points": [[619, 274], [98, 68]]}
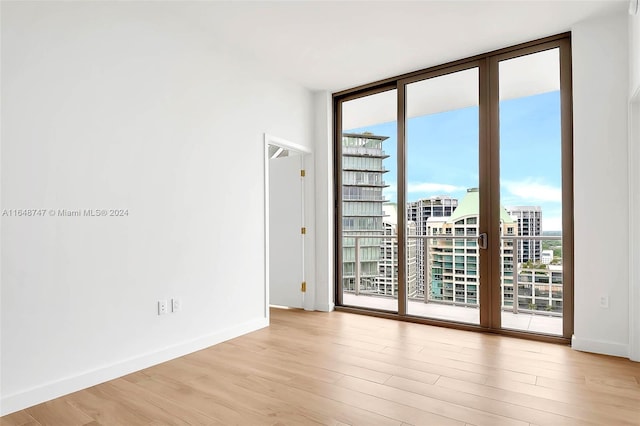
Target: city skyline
{"points": [[530, 157], [444, 267]]}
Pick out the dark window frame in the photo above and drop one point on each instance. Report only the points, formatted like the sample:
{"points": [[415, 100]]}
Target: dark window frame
{"points": [[489, 153]]}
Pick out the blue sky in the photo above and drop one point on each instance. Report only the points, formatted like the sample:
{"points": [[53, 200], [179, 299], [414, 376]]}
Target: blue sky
{"points": [[442, 154]]}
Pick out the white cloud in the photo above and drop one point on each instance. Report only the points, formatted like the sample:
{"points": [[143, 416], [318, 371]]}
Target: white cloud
{"points": [[440, 188], [531, 191], [551, 223]]}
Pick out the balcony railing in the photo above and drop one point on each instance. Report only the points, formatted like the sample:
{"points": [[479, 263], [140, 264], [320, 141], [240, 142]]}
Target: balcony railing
{"points": [[364, 198], [358, 150], [539, 290], [530, 290]]}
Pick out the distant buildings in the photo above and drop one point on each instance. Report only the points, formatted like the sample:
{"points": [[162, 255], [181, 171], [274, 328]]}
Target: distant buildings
{"points": [[540, 288], [529, 220], [546, 257], [387, 280], [362, 200], [444, 268], [453, 275], [419, 212]]}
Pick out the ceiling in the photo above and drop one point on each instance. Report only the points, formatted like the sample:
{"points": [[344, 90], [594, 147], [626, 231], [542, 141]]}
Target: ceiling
{"points": [[327, 45], [519, 77]]}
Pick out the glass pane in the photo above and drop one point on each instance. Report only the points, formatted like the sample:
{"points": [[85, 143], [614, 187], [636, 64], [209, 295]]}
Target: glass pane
{"points": [[443, 198], [530, 192], [370, 238]]}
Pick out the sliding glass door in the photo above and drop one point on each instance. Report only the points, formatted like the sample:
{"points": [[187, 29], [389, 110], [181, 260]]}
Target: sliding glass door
{"points": [[531, 190], [442, 191], [369, 255], [455, 193]]}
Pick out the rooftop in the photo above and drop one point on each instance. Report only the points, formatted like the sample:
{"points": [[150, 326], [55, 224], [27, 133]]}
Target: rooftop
{"points": [[470, 206], [365, 135]]}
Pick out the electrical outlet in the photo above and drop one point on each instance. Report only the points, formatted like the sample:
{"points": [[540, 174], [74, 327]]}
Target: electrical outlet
{"points": [[604, 302], [163, 308], [176, 305]]}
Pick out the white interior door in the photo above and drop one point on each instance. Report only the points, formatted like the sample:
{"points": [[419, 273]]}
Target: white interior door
{"points": [[286, 255]]}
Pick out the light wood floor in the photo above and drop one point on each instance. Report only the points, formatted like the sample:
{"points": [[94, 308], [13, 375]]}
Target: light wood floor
{"points": [[339, 368]]}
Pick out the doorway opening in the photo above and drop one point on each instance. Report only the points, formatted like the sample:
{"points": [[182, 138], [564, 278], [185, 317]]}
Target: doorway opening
{"points": [[285, 225]]}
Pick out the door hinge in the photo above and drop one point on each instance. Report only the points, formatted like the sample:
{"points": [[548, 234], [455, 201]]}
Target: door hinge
{"points": [[303, 287], [303, 230], [303, 173]]}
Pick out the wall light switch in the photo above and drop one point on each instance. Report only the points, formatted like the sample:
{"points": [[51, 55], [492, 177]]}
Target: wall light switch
{"points": [[604, 302], [176, 305]]}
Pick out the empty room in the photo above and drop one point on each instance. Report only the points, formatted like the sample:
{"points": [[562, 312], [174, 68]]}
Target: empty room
{"points": [[320, 212]]}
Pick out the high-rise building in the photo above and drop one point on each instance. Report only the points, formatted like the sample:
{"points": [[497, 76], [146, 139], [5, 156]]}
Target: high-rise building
{"points": [[362, 214], [546, 257], [453, 274], [529, 219], [387, 280], [419, 212], [540, 289]]}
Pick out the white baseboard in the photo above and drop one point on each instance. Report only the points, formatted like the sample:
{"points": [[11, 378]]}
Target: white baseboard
{"points": [[634, 354], [325, 307], [67, 385], [600, 347]]}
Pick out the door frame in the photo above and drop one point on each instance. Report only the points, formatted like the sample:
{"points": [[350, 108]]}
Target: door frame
{"points": [[566, 145], [634, 226], [270, 140], [480, 65], [489, 181]]}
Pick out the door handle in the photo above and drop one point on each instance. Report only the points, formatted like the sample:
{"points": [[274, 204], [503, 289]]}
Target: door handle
{"points": [[482, 241]]}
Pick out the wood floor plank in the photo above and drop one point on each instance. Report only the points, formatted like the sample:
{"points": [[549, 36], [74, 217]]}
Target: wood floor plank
{"points": [[329, 365], [375, 404], [510, 368], [626, 386], [296, 406], [422, 364], [19, 418], [520, 399], [337, 411], [472, 367], [305, 366], [59, 411], [342, 367], [438, 406], [160, 408], [204, 402], [481, 403], [262, 405], [345, 369], [99, 405], [593, 392], [598, 409]]}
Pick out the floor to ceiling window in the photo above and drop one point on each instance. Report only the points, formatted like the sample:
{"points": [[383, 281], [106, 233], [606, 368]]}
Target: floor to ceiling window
{"points": [[455, 195], [369, 232], [442, 193]]}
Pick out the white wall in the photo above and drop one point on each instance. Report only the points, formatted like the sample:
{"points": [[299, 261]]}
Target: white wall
{"points": [[634, 228], [634, 52], [600, 87], [111, 105], [634, 186], [324, 202]]}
